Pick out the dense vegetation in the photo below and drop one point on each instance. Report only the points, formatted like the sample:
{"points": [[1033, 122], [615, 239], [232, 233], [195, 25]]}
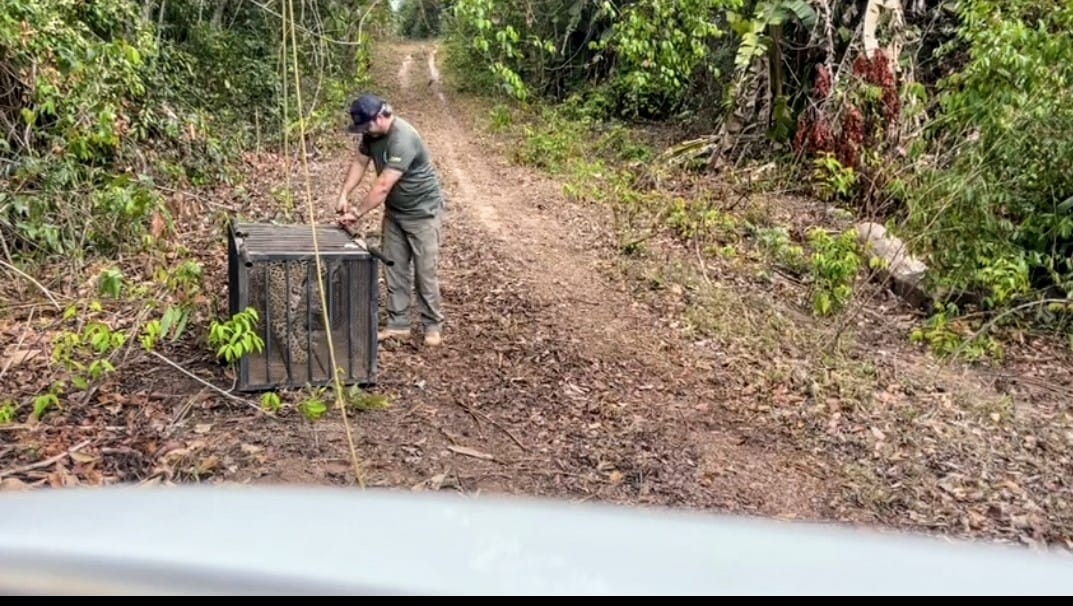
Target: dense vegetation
{"points": [[110, 113], [948, 120], [103, 104]]}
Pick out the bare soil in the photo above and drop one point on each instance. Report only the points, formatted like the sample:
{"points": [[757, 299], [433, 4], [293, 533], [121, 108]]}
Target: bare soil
{"points": [[569, 371]]}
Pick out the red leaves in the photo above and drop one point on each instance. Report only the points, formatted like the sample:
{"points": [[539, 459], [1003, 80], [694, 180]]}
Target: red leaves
{"points": [[877, 71], [859, 119], [823, 83]]}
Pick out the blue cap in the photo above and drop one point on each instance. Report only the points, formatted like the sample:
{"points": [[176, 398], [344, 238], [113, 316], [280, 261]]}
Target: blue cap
{"points": [[364, 110]]}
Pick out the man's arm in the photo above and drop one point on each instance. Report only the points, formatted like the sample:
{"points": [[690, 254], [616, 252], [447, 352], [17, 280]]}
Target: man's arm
{"points": [[378, 193], [354, 176]]}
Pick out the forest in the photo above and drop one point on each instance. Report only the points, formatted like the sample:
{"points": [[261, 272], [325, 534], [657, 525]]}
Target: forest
{"points": [[704, 168]]}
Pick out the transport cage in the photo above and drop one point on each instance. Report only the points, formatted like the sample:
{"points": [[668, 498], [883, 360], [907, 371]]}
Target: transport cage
{"points": [[268, 267]]}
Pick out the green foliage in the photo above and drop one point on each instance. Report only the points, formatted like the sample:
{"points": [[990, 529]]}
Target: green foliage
{"points": [[490, 34], [8, 410], [698, 219], [359, 399], [754, 32], [559, 139], [995, 213], [111, 282], [419, 18], [237, 337], [42, 403], [85, 352], [313, 408], [101, 102], [946, 336], [834, 182], [658, 46], [74, 81], [270, 402], [835, 263], [778, 245], [633, 59]]}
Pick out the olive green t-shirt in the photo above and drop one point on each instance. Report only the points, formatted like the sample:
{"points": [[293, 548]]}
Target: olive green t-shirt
{"points": [[417, 193]]}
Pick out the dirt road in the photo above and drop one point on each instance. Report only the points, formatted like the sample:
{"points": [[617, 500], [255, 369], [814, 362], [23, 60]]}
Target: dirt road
{"points": [[552, 381], [566, 372]]}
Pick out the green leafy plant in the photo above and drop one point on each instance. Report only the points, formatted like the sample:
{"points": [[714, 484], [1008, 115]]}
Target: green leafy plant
{"points": [[992, 211], [946, 336], [85, 352], [835, 263], [237, 337], [270, 401], [359, 399], [44, 402], [313, 407], [834, 182], [111, 283], [8, 410]]}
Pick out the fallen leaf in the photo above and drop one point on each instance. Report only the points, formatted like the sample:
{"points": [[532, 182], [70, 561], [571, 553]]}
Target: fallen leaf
{"points": [[14, 358], [1013, 486], [13, 484], [251, 448], [616, 477], [203, 428], [209, 464], [436, 482], [156, 226], [80, 457], [469, 452]]}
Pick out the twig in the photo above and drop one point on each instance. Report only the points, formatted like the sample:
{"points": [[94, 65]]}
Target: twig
{"points": [[211, 386], [469, 452], [3, 245], [987, 326], [494, 424], [36, 283], [318, 35], [183, 411], [18, 346], [477, 420], [46, 462], [703, 265]]}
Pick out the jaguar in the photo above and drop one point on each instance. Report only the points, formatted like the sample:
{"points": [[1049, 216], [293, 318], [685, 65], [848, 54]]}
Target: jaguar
{"points": [[285, 296]]}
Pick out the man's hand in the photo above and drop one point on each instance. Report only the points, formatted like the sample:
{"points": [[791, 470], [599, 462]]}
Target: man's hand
{"points": [[350, 221], [342, 206]]}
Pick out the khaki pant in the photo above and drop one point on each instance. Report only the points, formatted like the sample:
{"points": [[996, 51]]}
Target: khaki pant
{"points": [[414, 247]]}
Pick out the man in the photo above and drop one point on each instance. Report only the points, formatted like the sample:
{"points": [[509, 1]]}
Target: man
{"points": [[409, 187]]}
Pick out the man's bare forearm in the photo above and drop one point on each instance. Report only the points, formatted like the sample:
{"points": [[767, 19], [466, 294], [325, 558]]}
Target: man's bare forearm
{"points": [[354, 176], [376, 197]]}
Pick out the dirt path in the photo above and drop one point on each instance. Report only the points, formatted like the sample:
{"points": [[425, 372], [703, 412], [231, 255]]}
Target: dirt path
{"points": [[566, 372], [552, 381]]}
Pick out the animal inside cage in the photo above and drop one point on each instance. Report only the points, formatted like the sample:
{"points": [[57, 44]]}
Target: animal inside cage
{"points": [[272, 268]]}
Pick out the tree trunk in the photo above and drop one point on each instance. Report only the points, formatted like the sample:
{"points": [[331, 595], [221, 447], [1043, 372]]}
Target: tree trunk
{"points": [[218, 14], [775, 67], [147, 10]]}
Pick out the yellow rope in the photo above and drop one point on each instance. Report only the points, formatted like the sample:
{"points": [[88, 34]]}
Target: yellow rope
{"points": [[288, 23], [286, 122]]}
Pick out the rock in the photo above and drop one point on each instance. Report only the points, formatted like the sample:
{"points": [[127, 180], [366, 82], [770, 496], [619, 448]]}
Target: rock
{"points": [[897, 267]]}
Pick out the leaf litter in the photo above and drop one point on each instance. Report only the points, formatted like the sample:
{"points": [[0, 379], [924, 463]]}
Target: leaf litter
{"points": [[524, 397]]}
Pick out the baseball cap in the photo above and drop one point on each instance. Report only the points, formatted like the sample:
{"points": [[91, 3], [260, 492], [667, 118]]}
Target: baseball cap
{"points": [[364, 110]]}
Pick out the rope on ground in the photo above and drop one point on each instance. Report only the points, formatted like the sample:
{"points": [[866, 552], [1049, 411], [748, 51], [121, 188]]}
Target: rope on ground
{"points": [[340, 400]]}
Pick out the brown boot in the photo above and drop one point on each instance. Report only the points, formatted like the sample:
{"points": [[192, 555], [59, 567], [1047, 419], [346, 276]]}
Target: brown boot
{"points": [[392, 333], [433, 338]]}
